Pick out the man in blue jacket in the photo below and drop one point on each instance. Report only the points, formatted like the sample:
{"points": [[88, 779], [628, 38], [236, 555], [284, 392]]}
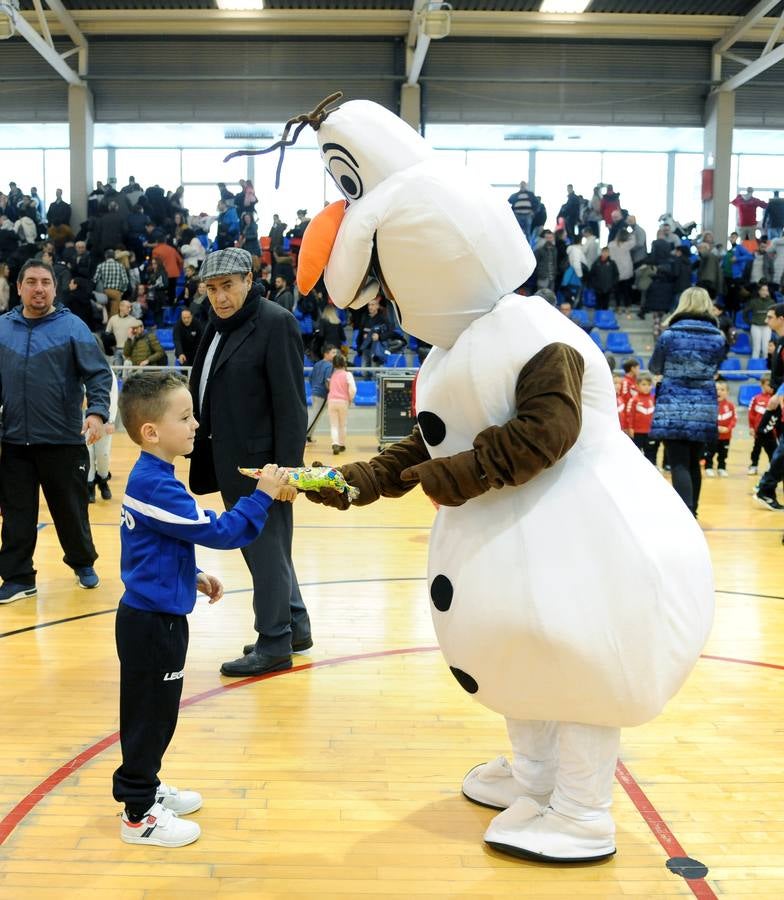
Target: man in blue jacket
{"points": [[48, 359]]}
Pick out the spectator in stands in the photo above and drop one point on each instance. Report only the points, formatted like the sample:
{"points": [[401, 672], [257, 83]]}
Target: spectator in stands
{"points": [[225, 194], [621, 247], [37, 203], [523, 203], [25, 227], [546, 254], [374, 333], [79, 300], [276, 233], [764, 435], [761, 266], [604, 278], [303, 220], [708, 267], [726, 422], [119, 327], [82, 261], [157, 287], [570, 212], [249, 238], [187, 334], [143, 349], [133, 190], [228, 226], [191, 248], [773, 217], [755, 313], [5, 288], [631, 371], [687, 356], [171, 260], [329, 330], [640, 238], [284, 295], [619, 401], [109, 232], [44, 436], [610, 201], [7, 208], [766, 491], [591, 248], [681, 260], [111, 278], [59, 212], [747, 205], [734, 266], [660, 297]]}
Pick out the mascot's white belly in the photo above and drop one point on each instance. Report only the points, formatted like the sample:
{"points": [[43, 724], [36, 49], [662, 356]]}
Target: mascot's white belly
{"points": [[585, 595]]}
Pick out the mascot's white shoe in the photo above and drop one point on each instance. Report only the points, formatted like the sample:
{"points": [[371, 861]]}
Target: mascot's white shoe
{"points": [[493, 784], [549, 836]]}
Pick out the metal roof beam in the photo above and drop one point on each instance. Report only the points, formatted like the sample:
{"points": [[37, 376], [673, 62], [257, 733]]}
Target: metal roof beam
{"points": [[417, 43], [70, 27], [751, 19], [26, 30], [753, 69]]}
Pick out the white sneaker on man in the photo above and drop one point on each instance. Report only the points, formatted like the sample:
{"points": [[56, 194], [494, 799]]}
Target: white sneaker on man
{"points": [[159, 827], [709, 473], [723, 473], [179, 802]]}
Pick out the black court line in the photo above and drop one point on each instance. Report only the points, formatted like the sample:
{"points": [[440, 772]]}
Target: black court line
{"points": [[327, 527], [104, 612]]}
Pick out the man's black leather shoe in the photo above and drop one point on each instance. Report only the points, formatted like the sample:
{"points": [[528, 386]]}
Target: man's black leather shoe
{"points": [[296, 646], [255, 664]]}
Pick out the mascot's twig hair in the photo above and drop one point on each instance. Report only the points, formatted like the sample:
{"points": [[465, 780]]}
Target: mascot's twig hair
{"points": [[314, 118]]}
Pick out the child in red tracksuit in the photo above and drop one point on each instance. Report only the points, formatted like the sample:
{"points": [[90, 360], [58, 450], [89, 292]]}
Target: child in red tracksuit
{"points": [[620, 401], [765, 436], [727, 420], [639, 415], [631, 371]]}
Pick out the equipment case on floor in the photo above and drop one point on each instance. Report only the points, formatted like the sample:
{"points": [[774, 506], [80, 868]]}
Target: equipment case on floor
{"points": [[394, 417]]}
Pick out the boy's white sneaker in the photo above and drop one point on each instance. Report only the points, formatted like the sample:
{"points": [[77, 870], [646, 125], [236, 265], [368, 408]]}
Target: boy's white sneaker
{"points": [[159, 827], [723, 473], [709, 473], [179, 802]]}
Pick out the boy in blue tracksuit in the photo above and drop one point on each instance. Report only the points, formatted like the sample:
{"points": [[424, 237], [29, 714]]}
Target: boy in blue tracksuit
{"points": [[160, 524]]}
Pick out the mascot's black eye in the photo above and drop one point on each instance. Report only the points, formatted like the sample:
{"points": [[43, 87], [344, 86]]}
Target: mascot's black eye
{"points": [[346, 177]]}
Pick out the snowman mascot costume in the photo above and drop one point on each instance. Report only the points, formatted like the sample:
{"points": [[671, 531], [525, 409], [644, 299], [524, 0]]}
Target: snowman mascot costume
{"points": [[571, 589]]}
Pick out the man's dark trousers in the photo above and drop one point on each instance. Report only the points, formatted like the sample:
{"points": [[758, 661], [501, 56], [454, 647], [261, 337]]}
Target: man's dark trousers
{"points": [[61, 471]]}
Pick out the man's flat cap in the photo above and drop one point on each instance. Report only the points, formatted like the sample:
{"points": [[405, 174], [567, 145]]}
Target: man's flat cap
{"points": [[231, 261]]}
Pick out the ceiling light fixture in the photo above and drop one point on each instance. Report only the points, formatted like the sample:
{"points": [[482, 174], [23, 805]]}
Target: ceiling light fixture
{"points": [[241, 5], [564, 6], [8, 11]]}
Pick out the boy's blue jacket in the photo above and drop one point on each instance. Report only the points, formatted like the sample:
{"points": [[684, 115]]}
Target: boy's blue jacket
{"points": [[160, 524]]}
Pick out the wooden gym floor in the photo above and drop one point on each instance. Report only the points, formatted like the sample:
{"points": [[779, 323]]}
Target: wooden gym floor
{"points": [[342, 777]]}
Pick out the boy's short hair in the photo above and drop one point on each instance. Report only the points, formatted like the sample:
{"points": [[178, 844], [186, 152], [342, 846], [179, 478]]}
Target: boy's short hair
{"points": [[778, 308], [721, 381], [645, 378], [628, 364], [328, 348], [764, 379], [144, 399]]}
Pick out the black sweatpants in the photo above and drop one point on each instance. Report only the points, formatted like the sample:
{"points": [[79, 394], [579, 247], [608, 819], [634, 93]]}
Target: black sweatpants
{"points": [[684, 459], [61, 471], [719, 449], [151, 647], [766, 442], [648, 445]]}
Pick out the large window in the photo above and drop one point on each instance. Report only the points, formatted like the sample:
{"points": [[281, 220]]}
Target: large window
{"points": [[554, 170], [25, 167], [687, 188], [161, 167], [641, 180]]}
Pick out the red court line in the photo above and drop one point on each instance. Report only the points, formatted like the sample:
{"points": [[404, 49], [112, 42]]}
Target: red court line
{"points": [[661, 831], [745, 662], [658, 826]]}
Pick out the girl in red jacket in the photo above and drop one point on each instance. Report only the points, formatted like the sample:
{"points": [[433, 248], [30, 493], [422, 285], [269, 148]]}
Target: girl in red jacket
{"points": [[764, 439], [727, 420]]}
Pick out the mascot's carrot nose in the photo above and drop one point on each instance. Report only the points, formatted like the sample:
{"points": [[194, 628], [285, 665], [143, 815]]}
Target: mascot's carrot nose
{"points": [[317, 244]]}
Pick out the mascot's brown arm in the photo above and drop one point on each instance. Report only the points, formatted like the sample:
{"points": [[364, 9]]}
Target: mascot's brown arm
{"points": [[548, 421], [380, 477]]}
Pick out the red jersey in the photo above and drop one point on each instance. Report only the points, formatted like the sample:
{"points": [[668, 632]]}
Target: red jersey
{"points": [[757, 409], [727, 420], [639, 413], [628, 387], [621, 410]]}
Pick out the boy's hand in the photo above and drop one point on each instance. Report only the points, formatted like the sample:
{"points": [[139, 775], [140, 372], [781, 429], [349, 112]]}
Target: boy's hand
{"points": [[209, 585], [273, 481]]}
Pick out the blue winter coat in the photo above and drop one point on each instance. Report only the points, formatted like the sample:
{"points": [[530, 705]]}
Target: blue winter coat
{"points": [[688, 355]]}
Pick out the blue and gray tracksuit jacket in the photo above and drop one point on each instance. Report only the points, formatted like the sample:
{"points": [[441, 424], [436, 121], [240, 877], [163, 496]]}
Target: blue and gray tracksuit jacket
{"points": [[43, 365], [160, 524]]}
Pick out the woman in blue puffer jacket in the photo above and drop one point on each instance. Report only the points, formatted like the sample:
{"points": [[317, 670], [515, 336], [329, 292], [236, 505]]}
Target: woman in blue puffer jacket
{"points": [[687, 355]]}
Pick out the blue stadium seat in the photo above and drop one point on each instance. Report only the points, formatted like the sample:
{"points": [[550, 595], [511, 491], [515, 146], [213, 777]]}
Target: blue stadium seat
{"points": [[597, 339], [589, 298], [166, 337], [308, 394], [580, 316], [605, 319], [742, 343], [396, 361], [730, 370], [740, 322], [171, 314], [747, 393], [367, 393], [757, 365], [618, 342]]}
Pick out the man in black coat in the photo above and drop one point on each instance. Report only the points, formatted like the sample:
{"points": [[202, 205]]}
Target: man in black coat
{"points": [[249, 397]]}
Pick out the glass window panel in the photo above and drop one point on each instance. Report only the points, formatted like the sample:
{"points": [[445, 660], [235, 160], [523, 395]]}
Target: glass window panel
{"points": [[148, 167], [556, 169], [687, 188], [759, 172], [302, 186], [203, 198], [207, 166], [641, 180], [501, 167], [101, 165], [58, 175], [25, 167]]}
